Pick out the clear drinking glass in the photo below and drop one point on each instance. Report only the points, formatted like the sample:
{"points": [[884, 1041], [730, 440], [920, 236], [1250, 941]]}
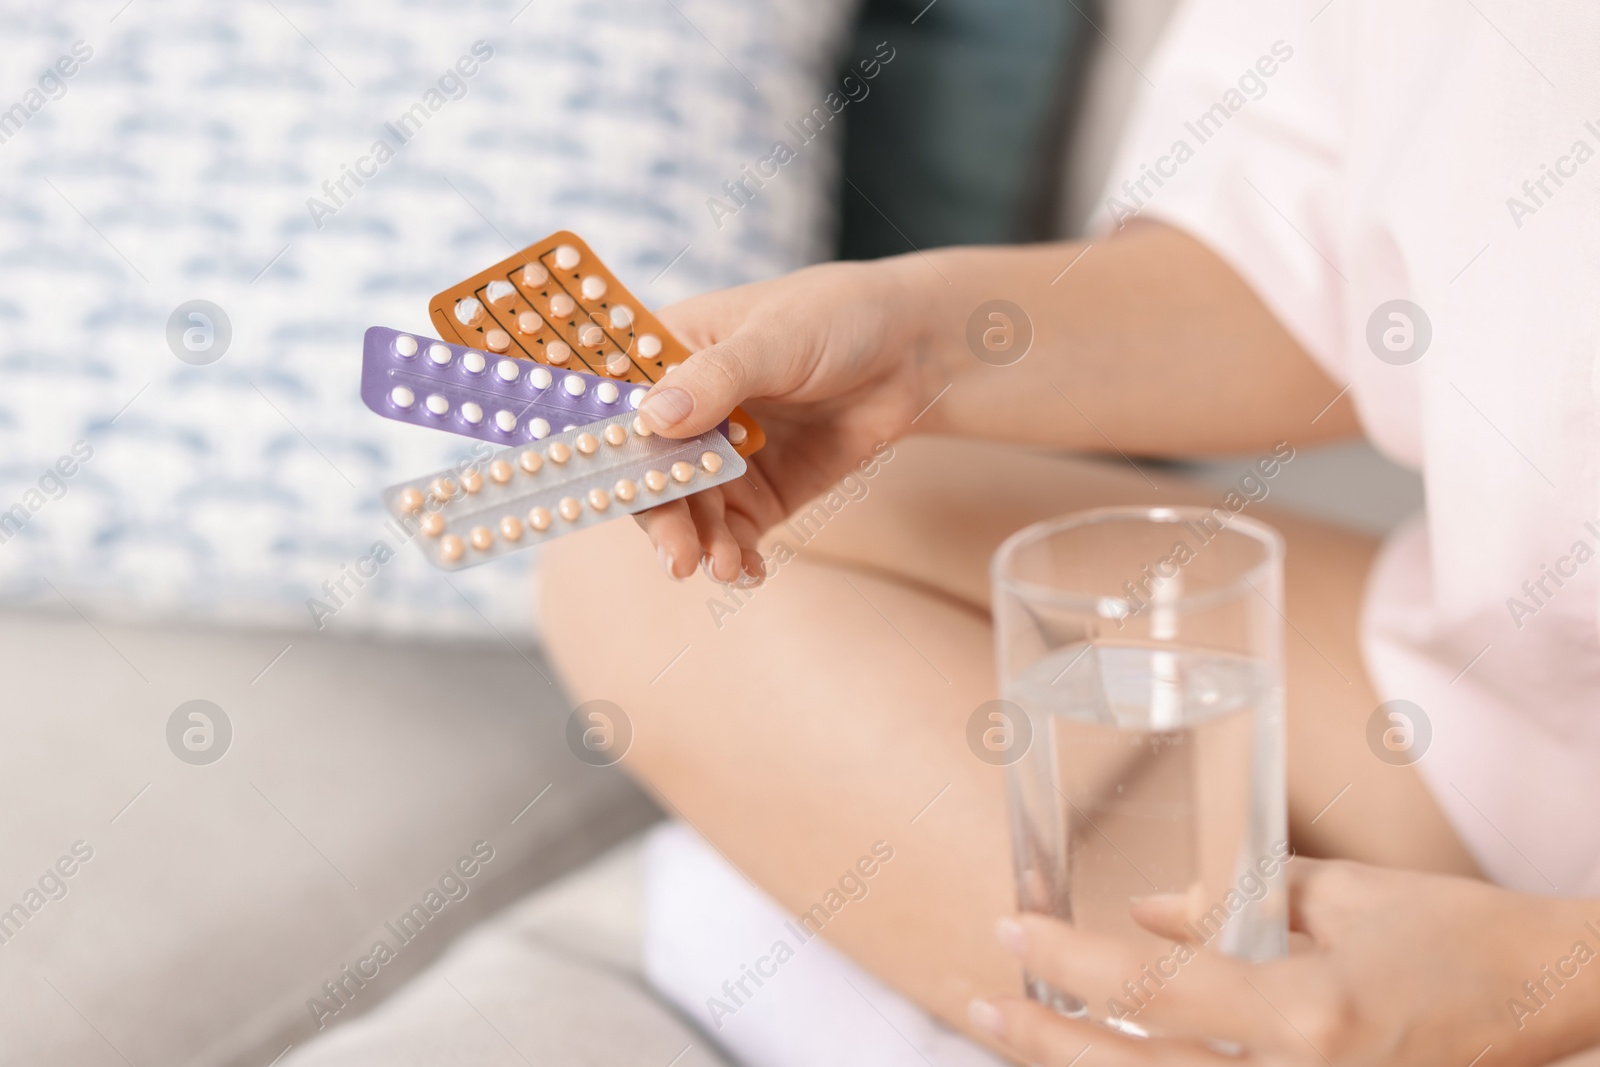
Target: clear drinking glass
{"points": [[1140, 652]]}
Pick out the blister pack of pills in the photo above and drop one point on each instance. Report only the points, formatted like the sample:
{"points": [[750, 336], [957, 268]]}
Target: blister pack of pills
{"points": [[470, 392], [530, 494], [556, 303]]}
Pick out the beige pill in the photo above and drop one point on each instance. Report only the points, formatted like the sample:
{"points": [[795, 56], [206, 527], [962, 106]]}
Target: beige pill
{"points": [[511, 528], [594, 287], [591, 336], [622, 316], [411, 500], [569, 508], [682, 472], [560, 453], [625, 491], [567, 257], [442, 489], [530, 461], [649, 346], [598, 499], [539, 519], [432, 524], [618, 364], [562, 306], [737, 433], [499, 291], [528, 322], [450, 549], [481, 538], [639, 428], [557, 352], [615, 434], [471, 480], [710, 462], [535, 275], [497, 340], [587, 444], [655, 481], [500, 472]]}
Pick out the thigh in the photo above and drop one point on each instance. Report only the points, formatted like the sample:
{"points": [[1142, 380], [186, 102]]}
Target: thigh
{"points": [[796, 724], [934, 514]]}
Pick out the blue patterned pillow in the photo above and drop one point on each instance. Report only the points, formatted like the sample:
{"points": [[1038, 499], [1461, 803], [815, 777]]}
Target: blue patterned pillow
{"points": [[314, 169]]}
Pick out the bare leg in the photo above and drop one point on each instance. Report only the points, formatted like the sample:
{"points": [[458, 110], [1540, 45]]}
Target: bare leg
{"points": [[829, 710]]}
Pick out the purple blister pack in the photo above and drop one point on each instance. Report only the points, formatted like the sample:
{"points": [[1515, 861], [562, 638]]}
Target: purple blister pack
{"points": [[427, 382]]}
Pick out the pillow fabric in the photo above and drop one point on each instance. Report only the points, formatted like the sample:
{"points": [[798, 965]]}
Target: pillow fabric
{"points": [[312, 170]]}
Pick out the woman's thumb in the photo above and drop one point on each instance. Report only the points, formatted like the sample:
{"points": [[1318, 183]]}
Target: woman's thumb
{"points": [[700, 392]]}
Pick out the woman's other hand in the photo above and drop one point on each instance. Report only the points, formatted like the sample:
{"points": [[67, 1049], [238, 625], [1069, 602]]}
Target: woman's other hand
{"points": [[1393, 967]]}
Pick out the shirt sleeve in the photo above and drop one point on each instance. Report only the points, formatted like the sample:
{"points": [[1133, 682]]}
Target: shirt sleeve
{"points": [[1238, 141]]}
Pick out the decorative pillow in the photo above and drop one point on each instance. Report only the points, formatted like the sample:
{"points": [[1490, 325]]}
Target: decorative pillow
{"points": [[312, 170]]}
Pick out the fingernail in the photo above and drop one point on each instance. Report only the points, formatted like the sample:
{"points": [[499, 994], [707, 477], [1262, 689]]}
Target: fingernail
{"points": [[666, 560], [987, 1017], [1011, 935], [665, 408]]}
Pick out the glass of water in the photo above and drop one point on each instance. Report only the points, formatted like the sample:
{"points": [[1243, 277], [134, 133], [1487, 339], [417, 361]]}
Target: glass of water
{"points": [[1140, 659]]}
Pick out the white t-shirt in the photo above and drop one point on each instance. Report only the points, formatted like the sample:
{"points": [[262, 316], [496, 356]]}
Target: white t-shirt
{"points": [[1343, 154]]}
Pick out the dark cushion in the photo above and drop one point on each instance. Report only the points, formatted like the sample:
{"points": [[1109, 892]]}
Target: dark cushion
{"points": [[959, 140]]}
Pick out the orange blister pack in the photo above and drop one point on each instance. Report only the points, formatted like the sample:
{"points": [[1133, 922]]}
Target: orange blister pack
{"points": [[555, 302]]}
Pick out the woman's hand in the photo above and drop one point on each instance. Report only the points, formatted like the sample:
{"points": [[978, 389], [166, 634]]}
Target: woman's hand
{"points": [[826, 359], [1390, 967]]}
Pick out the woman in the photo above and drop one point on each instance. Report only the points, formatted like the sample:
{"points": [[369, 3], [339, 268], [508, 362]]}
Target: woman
{"points": [[1331, 219]]}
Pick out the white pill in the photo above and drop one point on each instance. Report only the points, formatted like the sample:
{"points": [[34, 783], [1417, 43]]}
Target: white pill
{"points": [[507, 369], [649, 346], [505, 420], [573, 385], [562, 305], [438, 404], [636, 398], [622, 316], [534, 274], [594, 287], [498, 290], [607, 392], [402, 397], [440, 354], [468, 311], [567, 257], [472, 413], [538, 428], [405, 347], [474, 362], [539, 378]]}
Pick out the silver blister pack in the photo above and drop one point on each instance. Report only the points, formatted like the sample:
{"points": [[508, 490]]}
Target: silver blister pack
{"points": [[524, 496]]}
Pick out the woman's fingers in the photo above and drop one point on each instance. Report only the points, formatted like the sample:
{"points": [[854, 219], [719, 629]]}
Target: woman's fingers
{"points": [[1041, 1036], [671, 529], [719, 550], [1169, 915], [1176, 989]]}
